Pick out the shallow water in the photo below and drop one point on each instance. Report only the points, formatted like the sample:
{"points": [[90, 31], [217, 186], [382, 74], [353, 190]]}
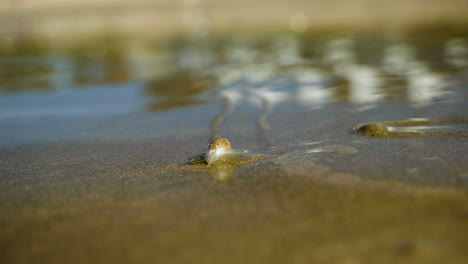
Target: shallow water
{"points": [[94, 139], [414, 128]]}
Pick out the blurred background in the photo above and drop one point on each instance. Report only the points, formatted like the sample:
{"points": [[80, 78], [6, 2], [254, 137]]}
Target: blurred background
{"points": [[316, 51]]}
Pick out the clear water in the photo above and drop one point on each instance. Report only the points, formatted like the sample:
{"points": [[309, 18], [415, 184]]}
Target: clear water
{"points": [[307, 70]]}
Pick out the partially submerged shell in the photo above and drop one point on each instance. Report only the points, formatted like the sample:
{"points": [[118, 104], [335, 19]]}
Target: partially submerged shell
{"points": [[372, 129], [217, 148]]}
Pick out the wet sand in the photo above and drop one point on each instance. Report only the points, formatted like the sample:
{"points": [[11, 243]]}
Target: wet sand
{"points": [[120, 191], [262, 219]]}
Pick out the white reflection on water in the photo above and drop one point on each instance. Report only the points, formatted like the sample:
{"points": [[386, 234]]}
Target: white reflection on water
{"points": [[397, 58], [424, 86], [422, 128], [241, 51], [287, 51], [313, 88], [365, 83], [262, 71], [340, 54], [456, 52]]}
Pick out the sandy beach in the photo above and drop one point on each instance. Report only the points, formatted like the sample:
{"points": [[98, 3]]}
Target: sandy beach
{"points": [[355, 137]]}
